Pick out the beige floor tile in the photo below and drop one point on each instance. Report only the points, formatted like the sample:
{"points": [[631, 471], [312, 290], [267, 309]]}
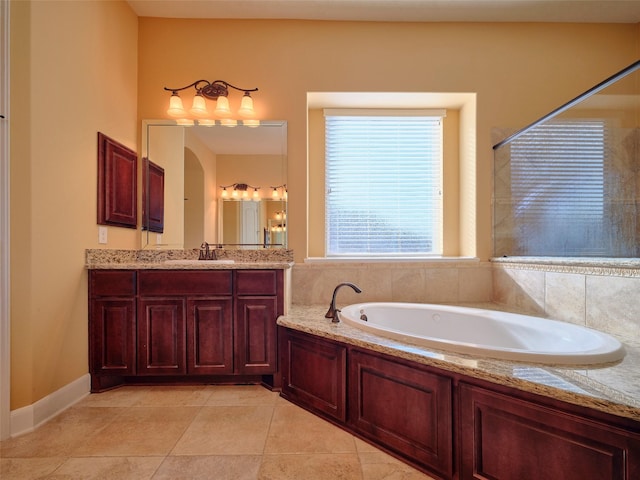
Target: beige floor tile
{"points": [[226, 431], [118, 397], [294, 430], [140, 431], [226, 467], [392, 471], [237, 395], [107, 468], [60, 435], [23, 468], [173, 396], [342, 466]]}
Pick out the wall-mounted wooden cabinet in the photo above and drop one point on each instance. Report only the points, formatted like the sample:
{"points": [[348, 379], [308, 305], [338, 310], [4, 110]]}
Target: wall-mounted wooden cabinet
{"points": [[170, 326]]}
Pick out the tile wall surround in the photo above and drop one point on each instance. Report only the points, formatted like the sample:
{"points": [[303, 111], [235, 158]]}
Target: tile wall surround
{"points": [[597, 293], [450, 281]]}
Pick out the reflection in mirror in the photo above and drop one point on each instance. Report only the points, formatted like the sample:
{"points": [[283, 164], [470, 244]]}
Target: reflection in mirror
{"points": [[198, 162]]}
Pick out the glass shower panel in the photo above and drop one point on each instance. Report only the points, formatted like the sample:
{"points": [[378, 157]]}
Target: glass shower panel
{"points": [[568, 185]]}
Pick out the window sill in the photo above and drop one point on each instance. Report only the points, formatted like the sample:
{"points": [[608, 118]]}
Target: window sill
{"points": [[421, 260]]}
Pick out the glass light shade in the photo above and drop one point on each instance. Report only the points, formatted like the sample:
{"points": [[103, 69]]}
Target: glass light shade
{"points": [[251, 122], [222, 107], [228, 122], [234, 194], [176, 109], [185, 122], [224, 193], [256, 194], [246, 106], [206, 122], [199, 107], [274, 194], [245, 194]]}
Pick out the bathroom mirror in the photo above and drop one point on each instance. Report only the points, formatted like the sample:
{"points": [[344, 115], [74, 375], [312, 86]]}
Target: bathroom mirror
{"points": [[200, 163]]}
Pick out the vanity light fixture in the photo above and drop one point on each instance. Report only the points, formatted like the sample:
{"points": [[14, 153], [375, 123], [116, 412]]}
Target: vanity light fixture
{"points": [[276, 192], [217, 90], [240, 191]]}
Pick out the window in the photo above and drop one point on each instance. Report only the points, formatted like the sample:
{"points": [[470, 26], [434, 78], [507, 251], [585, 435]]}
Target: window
{"points": [[383, 183], [558, 188]]}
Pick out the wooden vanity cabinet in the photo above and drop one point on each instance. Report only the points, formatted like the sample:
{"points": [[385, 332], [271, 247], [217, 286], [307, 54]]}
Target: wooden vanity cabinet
{"points": [[184, 322], [314, 374], [112, 321], [505, 437], [257, 306], [454, 426], [405, 407], [173, 326]]}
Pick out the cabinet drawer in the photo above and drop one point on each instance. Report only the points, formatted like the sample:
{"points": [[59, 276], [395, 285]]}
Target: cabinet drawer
{"points": [[256, 282], [182, 282], [111, 283]]}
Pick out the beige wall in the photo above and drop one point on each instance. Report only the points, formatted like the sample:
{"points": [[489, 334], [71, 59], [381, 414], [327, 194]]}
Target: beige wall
{"points": [[519, 72], [73, 73]]}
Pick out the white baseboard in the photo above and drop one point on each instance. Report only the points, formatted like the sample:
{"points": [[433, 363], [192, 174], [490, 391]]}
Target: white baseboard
{"points": [[27, 419]]}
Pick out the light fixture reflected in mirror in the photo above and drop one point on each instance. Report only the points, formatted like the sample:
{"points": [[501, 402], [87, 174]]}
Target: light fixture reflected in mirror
{"points": [[240, 192], [279, 192], [217, 90]]}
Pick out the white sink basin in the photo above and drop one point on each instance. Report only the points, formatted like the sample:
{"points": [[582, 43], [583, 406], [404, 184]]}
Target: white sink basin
{"points": [[198, 262]]}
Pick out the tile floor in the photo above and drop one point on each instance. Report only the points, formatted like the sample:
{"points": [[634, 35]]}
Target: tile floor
{"points": [[199, 432]]}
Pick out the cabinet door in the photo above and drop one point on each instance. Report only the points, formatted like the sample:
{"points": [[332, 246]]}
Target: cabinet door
{"points": [[161, 336], [209, 336], [503, 437], [255, 335], [405, 408], [314, 373], [112, 336]]}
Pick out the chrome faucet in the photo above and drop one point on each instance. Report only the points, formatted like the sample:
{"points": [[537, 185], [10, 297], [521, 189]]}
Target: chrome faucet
{"points": [[333, 313]]}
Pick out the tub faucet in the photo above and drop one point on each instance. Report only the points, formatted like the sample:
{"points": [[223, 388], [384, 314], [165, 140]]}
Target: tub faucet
{"points": [[333, 313]]}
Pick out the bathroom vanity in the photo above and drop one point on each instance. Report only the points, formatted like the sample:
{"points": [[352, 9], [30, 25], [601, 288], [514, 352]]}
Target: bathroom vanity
{"points": [[195, 323], [455, 417]]}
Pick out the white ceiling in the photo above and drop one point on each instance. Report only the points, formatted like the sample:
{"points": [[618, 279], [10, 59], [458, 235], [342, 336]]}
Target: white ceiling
{"points": [[581, 11]]}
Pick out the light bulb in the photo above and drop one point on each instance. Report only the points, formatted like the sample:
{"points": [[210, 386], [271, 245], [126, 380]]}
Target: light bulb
{"points": [[206, 122], [251, 122], [228, 122], [222, 107], [176, 109], [246, 106], [199, 106], [185, 122]]}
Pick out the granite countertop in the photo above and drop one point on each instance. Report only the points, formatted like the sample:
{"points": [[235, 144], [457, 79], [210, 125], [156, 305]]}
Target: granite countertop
{"points": [[611, 388], [202, 265], [107, 259]]}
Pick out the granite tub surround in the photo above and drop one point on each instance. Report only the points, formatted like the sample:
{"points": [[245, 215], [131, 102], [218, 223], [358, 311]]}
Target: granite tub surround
{"points": [[611, 388], [156, 259]]}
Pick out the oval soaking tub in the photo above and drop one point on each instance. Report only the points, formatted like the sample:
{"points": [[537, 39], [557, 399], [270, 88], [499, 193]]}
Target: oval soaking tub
{"points": [[488, 333]]}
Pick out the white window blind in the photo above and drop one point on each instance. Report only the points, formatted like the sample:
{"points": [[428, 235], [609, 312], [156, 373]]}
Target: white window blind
{"points": [[558, 188], [383, 184]]}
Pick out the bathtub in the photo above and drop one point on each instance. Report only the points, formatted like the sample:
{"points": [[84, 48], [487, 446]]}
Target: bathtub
{"points": [[487, 333]]}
